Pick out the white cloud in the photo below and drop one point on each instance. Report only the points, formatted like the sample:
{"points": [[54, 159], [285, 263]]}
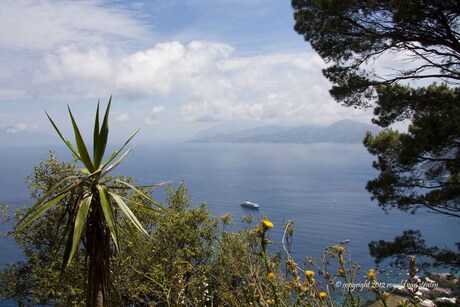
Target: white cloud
{"points": [[48, 24], [123, 117], [206, 79], [168, 67], [70, 72], [53, 54], [285, 88], [33, 32], [80, 50], [165, 68], [153, 116], [158, 109], [21, 127]]}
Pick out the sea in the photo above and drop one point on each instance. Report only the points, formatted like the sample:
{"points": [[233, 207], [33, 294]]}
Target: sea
{"points": [[321, 187]]}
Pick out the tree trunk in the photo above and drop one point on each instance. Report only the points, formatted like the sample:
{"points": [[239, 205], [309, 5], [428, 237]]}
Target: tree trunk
{"points": [[98, 251]]}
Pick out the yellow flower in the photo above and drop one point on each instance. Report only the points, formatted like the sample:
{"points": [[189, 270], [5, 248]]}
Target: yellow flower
{"points": [[371, 274], [322, 295], [267, 224], [271, 275], [309, 273]]}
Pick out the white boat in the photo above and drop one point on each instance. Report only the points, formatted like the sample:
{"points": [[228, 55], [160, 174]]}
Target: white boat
{"points": [[249, 204]]}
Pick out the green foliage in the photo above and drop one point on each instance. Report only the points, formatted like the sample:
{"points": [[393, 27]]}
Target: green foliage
{"points": [[412, 243], [87, 188], [91, 215], [421, 167], [189, 258], [36, 280], [170, 267]]}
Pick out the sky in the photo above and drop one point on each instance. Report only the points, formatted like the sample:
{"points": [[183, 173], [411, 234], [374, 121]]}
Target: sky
{"points": [[173, 67]]}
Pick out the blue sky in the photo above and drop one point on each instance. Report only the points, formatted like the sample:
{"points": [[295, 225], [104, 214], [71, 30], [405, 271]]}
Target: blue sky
{"points": [[173, 67]]}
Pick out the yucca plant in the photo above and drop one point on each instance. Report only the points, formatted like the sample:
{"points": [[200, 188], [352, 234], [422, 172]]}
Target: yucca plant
{"points": [[93, 217]]}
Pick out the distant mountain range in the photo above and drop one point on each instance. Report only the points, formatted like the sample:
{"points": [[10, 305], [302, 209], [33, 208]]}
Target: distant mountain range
{"points": [[345, 131]]}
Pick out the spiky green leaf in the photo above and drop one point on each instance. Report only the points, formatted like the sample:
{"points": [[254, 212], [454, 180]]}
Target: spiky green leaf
{"points": [[66, 141], [79, 224], [109, 216], [156, 185], [101, 143], [115, 153], [128, 213], [82, 149], [142, 194], [40, 202], [68, 247], [33, 215], [96, 131], [133, 234], [116, 163], [141, 205]]}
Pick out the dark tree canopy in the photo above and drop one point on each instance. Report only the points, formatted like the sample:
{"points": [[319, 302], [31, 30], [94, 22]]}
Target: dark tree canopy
{"points": [[352, 34], [419, 168]]}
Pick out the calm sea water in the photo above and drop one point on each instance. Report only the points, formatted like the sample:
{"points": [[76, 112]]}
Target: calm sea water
{"points": [[320, 186]]}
